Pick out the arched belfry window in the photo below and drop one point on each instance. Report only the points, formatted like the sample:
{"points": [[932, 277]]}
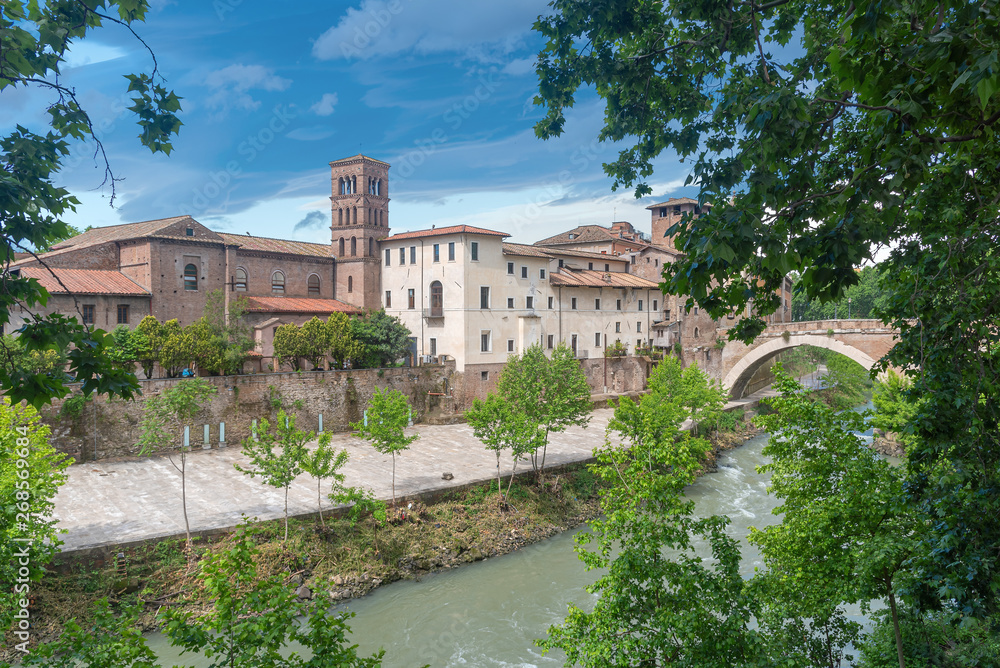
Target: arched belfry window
{"points": [[437, 299], [354, 246], [341, 247], [241, 279], [340, 218], [277, 283], [350, 284], [190, 277], [354, 217], [313, 282], [371, 247]]}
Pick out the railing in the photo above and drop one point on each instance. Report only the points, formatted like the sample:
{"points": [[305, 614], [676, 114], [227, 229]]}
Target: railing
{"points": [[434, 312]]}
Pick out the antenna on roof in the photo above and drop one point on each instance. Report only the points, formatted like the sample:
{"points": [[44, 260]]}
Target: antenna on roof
{"points": [[249, 235]]}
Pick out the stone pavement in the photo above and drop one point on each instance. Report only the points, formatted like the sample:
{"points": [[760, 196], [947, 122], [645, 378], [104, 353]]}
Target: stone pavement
{"points": [[113, 503]]}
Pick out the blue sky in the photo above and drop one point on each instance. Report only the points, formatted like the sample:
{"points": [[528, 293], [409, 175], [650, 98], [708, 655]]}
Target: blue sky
{"points": [[440, 89]]}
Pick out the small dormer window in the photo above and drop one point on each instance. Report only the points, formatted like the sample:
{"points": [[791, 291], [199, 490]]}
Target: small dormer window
{"points": [[572, 236], [189, 231]]}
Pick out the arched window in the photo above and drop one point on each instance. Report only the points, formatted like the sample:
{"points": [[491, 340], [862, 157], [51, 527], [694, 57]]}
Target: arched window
{"points": [[190, 277], [341, 246], [313, 282], [437, 299], [350, 284], [340, 220], [696, 332], [354, 185], [277, 283], [354, 246], [241, 279], [371, 247], [354, 215]]}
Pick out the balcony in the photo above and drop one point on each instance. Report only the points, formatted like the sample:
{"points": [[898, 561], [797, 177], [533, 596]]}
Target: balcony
{"points": [[434, 312]]}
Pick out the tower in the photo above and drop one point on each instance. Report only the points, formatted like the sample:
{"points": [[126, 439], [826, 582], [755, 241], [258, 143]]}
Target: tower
{"points": [[666, 214], [360, 207]]}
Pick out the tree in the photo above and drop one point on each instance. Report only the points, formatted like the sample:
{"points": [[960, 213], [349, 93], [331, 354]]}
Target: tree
{"points": [[659, 603], [501, 426], [845, 531], [276, 469], [108, 640], [31, 472], [149, 341], [125, 352], [342, 344], [846, 382], [176, 348], [874, 130], [703, 397], [255, 616], [176, 406], [550, 392], [289, 344], [894, 406], [322, 463], [230, 331], [386, 417], [384, 339], [34, 41]]}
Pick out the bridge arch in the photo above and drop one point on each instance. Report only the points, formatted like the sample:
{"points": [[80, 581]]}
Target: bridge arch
{"points": [[738, 377]]}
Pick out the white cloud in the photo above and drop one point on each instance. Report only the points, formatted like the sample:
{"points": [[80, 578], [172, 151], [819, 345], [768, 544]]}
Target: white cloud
{"points": [[387, 27], [90, 53], [232, 86], [326, 105], [516, 68]]}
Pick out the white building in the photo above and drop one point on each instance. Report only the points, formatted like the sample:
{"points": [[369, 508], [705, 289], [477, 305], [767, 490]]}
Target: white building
{"points": [[466, 294]]}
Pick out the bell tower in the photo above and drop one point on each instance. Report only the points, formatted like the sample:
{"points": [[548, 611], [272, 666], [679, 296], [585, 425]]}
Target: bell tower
{"points": [[360, 207]]}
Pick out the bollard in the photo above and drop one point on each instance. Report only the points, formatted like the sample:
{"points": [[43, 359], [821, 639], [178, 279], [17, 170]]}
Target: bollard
{"points": [[409, 416], [222, 434], [366, 417], [253, 430], [187, 437], [205, 445], [320, 423]]}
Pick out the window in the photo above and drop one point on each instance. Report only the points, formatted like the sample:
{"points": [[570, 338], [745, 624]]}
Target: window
{"points": [[638, 343], [402, 256], [413, 254], [451, 251], [350, 284], [597, 304], [618, 305], [647, 260], [190, 277], [411, 299], [484, 341], [524, 272], [590, 265], [529, 302], [189, 232], [696, 310], [437, 252], [510, 302], [633, 259], [607, 267], [640, 304], [484, 297], [475, 251], [88, 314], [597, 340], [510, 345], [656, 262], [572, 303], [313, 284], [388, 256], [484, 375], [123, 314], [434, 347], [551, 337], [388, 298], [241, 279], [551, 301], [638, 326], [437, 299], [618, 328], [541, 274], [354, 246], [696, 332], [278, 283], [510, 268], [560, 264], [655, 304]]}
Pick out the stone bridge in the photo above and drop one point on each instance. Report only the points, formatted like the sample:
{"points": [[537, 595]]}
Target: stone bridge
{"points": [[864, 341]]}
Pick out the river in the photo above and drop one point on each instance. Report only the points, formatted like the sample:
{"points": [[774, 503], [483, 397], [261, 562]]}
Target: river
{"points": [[489, 613]]}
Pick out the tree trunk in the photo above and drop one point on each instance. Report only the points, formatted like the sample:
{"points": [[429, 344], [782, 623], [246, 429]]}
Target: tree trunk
{"points": [[895, 628], [319, 500], [394, 480], [509, 483], [286, 514], [499, 480], [184, 503]]}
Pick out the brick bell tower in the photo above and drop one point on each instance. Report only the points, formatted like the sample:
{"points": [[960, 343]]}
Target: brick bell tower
{"points": [[360, 206]]}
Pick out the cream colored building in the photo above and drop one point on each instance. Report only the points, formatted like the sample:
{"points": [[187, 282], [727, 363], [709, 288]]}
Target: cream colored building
{"points": [[466, 294]]}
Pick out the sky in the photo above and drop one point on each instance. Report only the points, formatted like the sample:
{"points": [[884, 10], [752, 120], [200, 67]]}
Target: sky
{"points": [[272, 92]]}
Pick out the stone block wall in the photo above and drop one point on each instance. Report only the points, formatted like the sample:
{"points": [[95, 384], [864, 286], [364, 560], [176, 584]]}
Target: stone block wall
{"points": [[339, 395]]}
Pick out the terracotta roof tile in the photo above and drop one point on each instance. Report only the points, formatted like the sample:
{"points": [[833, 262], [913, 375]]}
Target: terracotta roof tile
{"points": [[588, 254], [298, 305], [524, 250], [453, 229], [587, 234], [673, 201], [268, 245], [84, 281], [599, 279]]}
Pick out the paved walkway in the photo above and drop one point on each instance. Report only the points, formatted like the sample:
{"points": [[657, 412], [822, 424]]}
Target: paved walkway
{"points": [[111, 503]]}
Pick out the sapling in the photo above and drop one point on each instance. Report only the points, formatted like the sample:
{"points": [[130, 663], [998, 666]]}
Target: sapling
{"points": [[388, 414], [324, 462]]}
